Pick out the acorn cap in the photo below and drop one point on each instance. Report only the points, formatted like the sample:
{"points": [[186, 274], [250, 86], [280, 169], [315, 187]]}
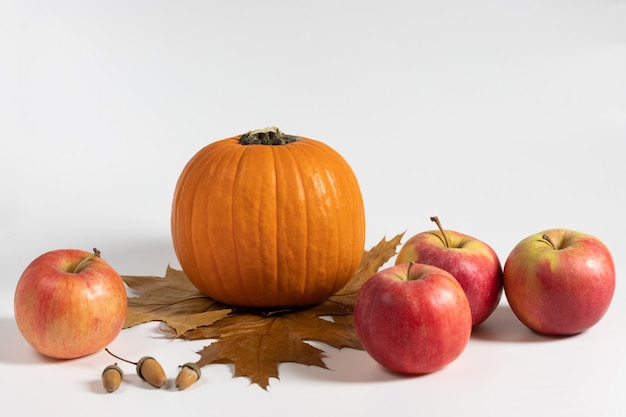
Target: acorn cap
{"points": [[188, 375], [194, 366], [115, 367]]}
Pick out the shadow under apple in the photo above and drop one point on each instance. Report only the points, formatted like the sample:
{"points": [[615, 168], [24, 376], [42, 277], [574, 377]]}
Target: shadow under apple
{"points": [[345, 365], [15, 349], [504, 326]]}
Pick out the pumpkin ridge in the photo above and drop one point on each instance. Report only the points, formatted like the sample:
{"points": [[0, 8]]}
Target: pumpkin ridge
{"points": [[228, 156], [309, 153], [189, 181], [353, 192], [236, 255], [275, 237], [297, 168], [339, 237], [324, 264], [345, 186], [250, 158], [337, 229]]}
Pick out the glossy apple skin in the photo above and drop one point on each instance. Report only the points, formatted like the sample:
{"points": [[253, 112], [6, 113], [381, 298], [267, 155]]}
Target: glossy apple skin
{"points": [[473, 263], [67, 315], [562, 291], [412, 324]]}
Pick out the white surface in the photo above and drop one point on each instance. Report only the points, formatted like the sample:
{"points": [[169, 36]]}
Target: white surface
{"points": [[502, 118]]}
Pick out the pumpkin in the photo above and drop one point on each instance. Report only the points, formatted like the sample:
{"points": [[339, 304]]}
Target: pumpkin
{"points": [[267, 219]]}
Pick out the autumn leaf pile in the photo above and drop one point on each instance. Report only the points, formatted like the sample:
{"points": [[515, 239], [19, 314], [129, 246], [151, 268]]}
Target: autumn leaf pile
{"points": [[254, 341]]}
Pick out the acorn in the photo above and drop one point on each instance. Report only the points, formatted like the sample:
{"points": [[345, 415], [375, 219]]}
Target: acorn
{"points": [[148, 369], [151, 371], [112, 377], [189, 373]]}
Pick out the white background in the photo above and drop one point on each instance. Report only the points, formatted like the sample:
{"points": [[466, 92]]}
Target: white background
{"points": [[504, 118]]}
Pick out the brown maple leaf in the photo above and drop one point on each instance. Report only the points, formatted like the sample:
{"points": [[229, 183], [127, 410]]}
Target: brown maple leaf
{"points": [[257, 344], [173, 300], [254, 341]]}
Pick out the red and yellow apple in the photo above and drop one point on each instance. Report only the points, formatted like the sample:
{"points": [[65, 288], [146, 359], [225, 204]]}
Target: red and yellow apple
{"points": [[472, 262], [412, 318], [559, 281], [70, 303]]}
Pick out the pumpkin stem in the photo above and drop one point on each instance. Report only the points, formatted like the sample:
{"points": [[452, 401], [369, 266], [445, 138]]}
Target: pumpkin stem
{"points": [[268, 136]]}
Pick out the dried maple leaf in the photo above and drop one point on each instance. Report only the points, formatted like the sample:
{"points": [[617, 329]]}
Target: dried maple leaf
{"points": [[173, 300], [254, 341], [370, 264]]}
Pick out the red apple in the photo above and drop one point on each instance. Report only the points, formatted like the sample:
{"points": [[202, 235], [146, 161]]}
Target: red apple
{"points": [[412, 318], [70, 303], [473, 263], [559, 281]]}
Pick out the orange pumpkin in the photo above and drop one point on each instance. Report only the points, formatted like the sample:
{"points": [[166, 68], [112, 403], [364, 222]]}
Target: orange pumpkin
{"points": [[267, 219]]}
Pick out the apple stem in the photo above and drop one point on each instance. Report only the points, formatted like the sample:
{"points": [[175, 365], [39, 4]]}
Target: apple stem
{"points": [[117, 357], [547, 239], [408, 271], [445, 238], [83, 262]]}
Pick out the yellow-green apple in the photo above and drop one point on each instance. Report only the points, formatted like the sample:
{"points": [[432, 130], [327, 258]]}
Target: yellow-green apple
{"points": [[473, 263], [559, 281], [412, 318], [70, 303]]}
